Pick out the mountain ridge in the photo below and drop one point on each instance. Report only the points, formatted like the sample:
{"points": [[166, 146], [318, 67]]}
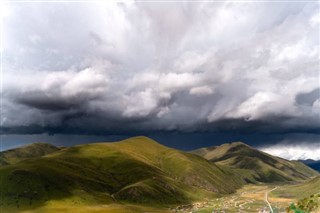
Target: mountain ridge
{"points": [[137, 170], [262, 167]]}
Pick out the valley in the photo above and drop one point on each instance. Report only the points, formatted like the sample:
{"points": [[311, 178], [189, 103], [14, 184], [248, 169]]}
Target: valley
{"points": [[250, 198]]}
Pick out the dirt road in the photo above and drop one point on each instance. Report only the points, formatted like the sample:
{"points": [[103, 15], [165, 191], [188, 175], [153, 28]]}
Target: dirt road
{"points": [[266, 198]]}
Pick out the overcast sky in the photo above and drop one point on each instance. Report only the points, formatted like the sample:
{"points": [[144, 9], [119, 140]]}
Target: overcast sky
{"points": [[192, 68]]}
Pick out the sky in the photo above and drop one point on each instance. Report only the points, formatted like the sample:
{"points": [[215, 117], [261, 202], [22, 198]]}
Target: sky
{"points": [[188, 74]]}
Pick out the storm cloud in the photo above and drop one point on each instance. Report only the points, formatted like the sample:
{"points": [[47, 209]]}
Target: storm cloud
{"points": [[95, 68]]}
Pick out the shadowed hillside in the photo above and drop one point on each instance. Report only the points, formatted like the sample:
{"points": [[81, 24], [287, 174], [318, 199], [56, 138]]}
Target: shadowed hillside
{"points": [[255, 165], [26, 152], [136, 170]]}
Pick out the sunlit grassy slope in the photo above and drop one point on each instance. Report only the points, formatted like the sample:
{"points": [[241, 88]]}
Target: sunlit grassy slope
{"points": [[299, 191], [137, 170], [254, 165]]}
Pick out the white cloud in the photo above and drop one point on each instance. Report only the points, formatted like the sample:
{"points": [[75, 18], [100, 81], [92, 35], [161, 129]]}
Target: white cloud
{"points": [[139, 104], [301, 151], [263, 104], [163, 111], [253, 106], [316, 104], [202, 90]]}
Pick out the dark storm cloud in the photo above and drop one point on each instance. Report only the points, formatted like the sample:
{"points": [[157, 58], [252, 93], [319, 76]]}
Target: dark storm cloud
{"points": [[40, 101], [100, 68], [308, 98]]}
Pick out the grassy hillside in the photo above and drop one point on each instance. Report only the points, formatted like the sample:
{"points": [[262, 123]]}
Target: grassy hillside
{"points": [[26, 152], [137, 170], [299, 191], [254, 165], [307, 195]]}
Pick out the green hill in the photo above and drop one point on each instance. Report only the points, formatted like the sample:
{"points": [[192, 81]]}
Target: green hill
{"points": [[26, 152], [299, 191], [254, 165], [137, 170]]}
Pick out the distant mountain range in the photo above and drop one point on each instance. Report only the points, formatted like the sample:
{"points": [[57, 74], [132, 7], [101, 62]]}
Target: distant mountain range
{"points": [[136, 170], [314, 164]]}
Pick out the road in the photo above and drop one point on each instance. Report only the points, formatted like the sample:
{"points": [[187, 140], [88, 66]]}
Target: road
{"points": [[266, 198]]}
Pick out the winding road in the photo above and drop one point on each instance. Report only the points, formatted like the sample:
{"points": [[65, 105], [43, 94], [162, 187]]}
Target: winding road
{"points": [[266, 198]]}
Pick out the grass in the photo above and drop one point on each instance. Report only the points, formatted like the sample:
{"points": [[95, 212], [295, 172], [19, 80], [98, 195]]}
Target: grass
{"points": [[256, 166], [251, 199], [26, 152], [70, 207], [299, 191], [140, 175], [137, 171]]}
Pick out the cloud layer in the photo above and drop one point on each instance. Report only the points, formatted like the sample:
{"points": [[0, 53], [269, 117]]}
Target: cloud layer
{"points": [[133, 66], [302, 151]]}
